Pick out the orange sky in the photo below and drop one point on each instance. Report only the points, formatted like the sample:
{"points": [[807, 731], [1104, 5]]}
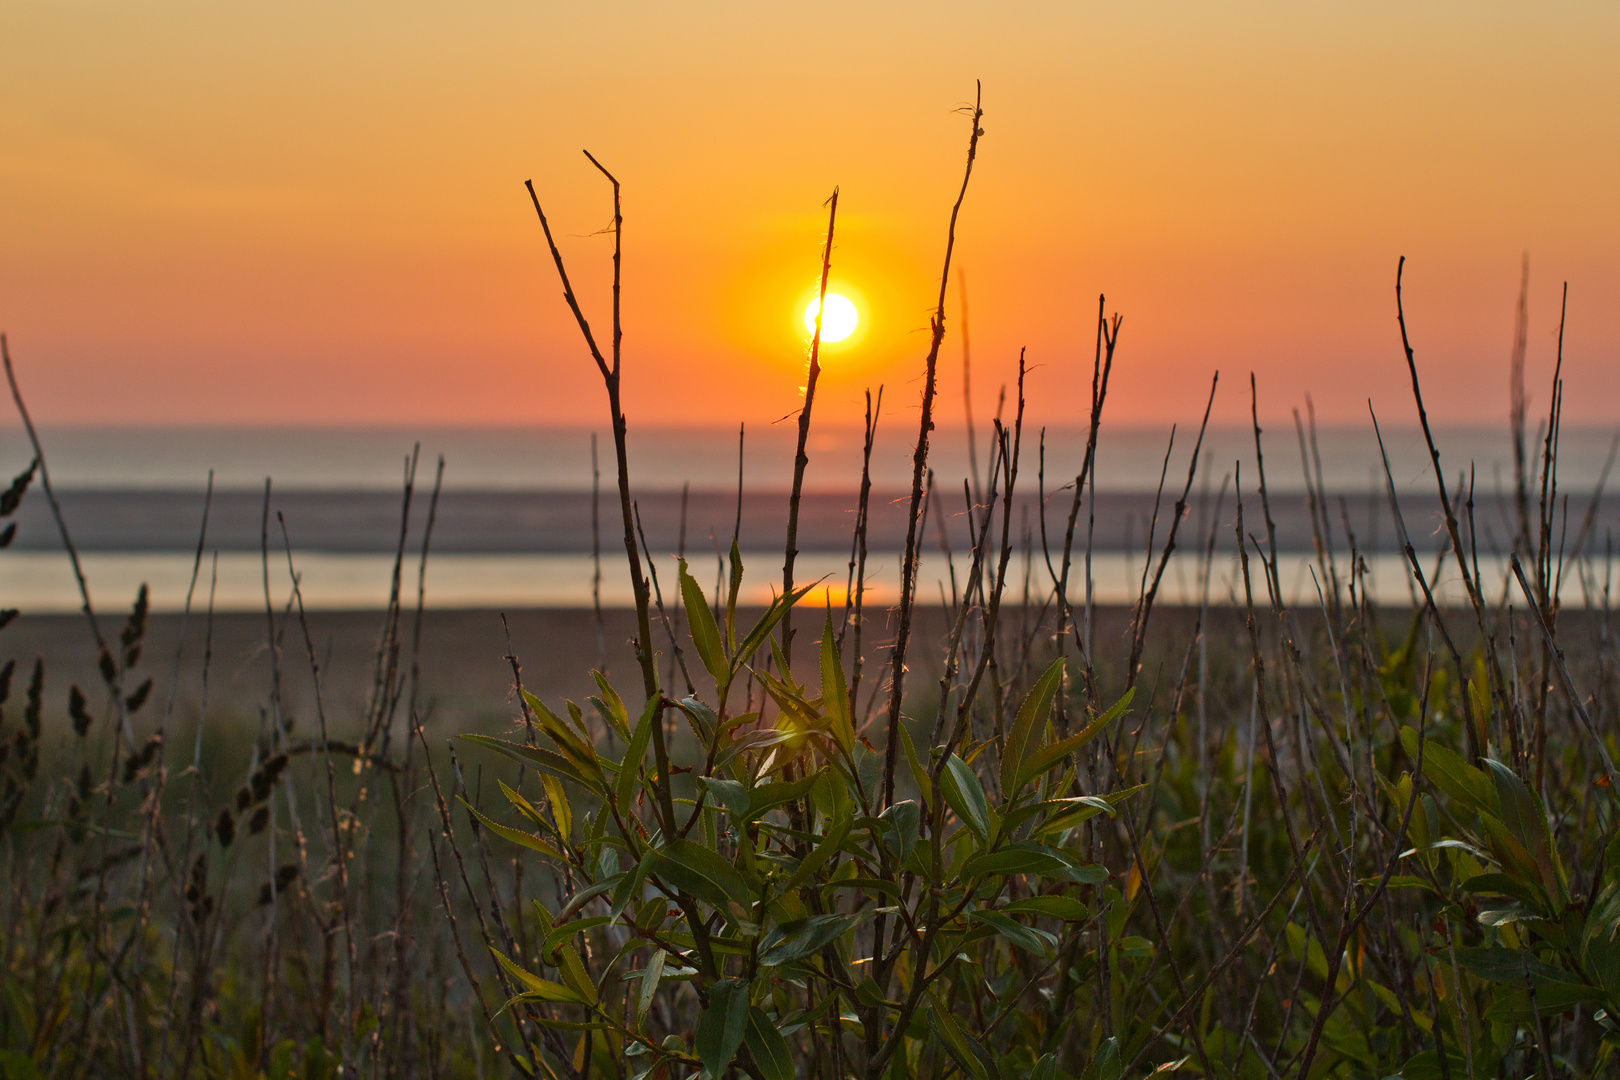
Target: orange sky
{"points": [[301, 212]]}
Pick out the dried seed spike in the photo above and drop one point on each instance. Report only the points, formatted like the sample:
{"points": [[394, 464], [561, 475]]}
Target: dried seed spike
{"points": [[5, 680], [77, 712], [135, 628], [225, 828], [12, 497], [138, 698], [36, 695]]}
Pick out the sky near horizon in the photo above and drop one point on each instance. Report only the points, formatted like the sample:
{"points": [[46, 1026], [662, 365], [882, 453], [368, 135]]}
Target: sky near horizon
{"points": [[314, 213]]}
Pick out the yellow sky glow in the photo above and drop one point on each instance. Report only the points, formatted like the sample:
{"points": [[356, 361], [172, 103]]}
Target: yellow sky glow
{"points": [[314, 213]]}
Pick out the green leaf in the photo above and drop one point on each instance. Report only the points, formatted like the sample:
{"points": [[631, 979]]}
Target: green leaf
{"points": [[573, 973], [693, 868], [731, 597], [825, 849], [1058, 907], [768, 1048], [568, 929], [561, 813], [1500, 885], [1106, 1065], [1526, 819], [653, 972], [534, 984], [1512, 966], [965, 795], [835, 690], [801, 938], [1043, 860], [568, 741], [611, 706], [629, 887], [1516, 860], [517, 836], [731, 794], [1603, 919], [1514, 1005], [721, 1028], [762, 629], [1030, 940], [630, 767], [1031, 717], [905, 824], [700, 716], [523, 805], [537, 757], [1065, 814], [1025, 858], [705, 634], [767, 797], [956, 1044], [925, 786], [1451, 774], [1055, 753], [17, 1066]]}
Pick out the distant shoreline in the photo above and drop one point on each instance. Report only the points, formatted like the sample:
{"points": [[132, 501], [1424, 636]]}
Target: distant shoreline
{"points": [[559, 522]]}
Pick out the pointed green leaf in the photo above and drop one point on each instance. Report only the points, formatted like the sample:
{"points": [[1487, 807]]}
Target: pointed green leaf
{"points": [[768, 1048], [543, 989], [1447, 771], [731, 597], [630, 767], [1058, 907], [695, 869], [925, 786], [965, 795], [1054, 753], [731, 794], [573, 973], [611, 706], [1526, 819], [956, 1044], [705, 634], [767, 797], [523, 805], [762, 629], [835, 690], [568, 929], [516, 836], [905, 823], [803, 937], [721, 1028], [538, 757], [1030, 940], [1031, 719], [649, 986], [825, 849], [561, 813]]}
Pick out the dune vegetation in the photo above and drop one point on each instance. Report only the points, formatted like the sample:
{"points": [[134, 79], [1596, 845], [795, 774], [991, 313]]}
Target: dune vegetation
{"points": [[1011, 835]]}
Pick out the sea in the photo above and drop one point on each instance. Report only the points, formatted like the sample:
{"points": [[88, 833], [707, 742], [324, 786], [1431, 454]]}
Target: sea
{"points": [[530, 517]]}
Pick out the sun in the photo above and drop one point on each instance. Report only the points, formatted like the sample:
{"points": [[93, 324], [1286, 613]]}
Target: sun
{"points": [[837, 323]]}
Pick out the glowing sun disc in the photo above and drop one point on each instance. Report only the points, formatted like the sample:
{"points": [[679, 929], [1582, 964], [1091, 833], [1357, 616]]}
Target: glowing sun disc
{"points": [[837, 323]]}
